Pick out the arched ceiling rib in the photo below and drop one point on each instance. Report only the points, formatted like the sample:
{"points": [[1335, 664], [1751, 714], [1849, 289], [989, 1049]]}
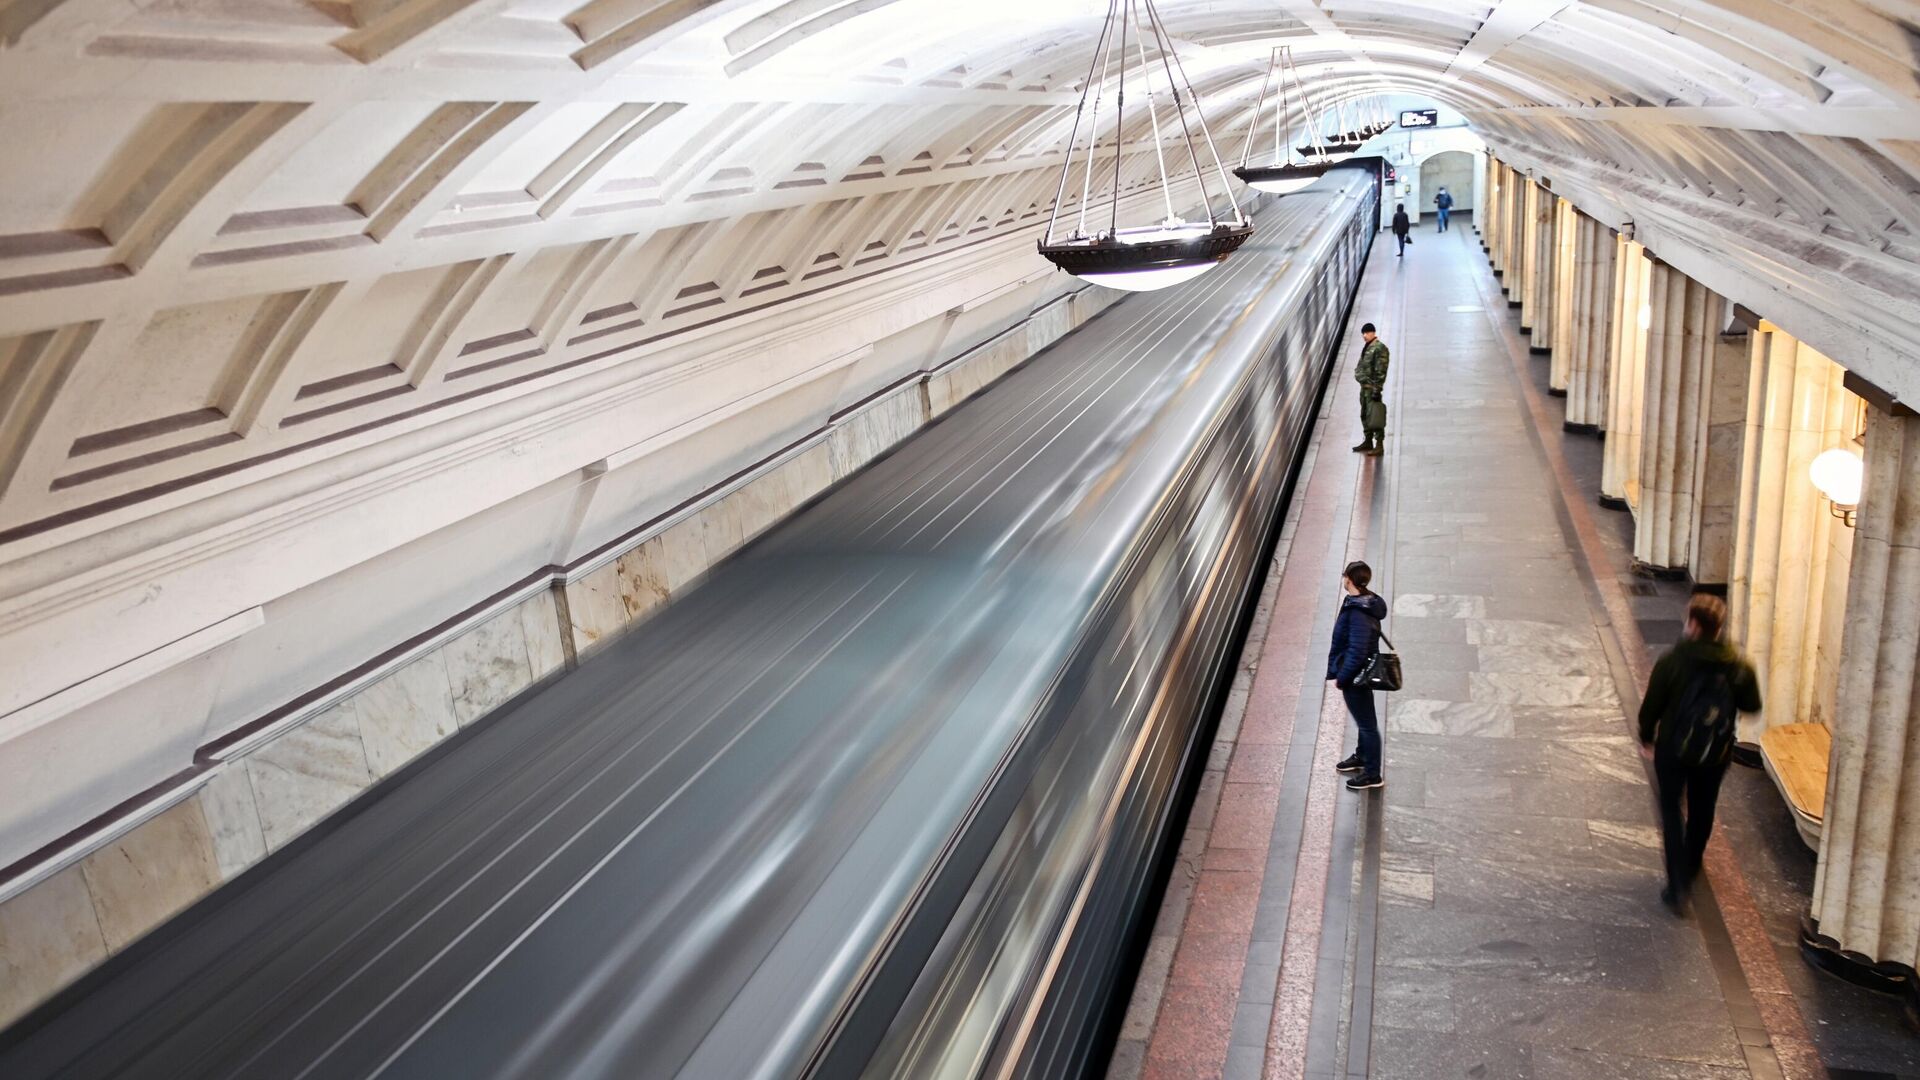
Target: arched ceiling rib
{"points": [[243, 237]]}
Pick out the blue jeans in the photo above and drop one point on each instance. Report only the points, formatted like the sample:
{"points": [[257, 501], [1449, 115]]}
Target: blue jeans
{"points": [[1443, 219], [1360, 704]]}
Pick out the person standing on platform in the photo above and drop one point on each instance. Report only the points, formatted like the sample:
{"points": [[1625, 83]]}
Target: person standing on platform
{"points": [[1687, 722], [1356, 638], [1401, 225], [1372, 376], [1443, 203]]}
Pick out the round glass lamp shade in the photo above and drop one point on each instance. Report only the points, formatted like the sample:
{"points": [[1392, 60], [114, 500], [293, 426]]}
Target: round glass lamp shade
{"points": [[1839, 474], [1148, 258], [1281, 179]]}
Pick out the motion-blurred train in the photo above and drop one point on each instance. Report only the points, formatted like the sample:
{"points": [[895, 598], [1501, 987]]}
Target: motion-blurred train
{"points": [[890, 794]]}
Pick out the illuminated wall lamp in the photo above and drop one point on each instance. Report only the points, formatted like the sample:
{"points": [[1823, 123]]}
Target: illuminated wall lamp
{"points": [[1839, 474]]}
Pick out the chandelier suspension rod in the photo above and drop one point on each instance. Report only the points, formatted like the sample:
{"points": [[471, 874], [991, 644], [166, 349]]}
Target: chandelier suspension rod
{"points": [[1259, 106], [1159, 153], [1119, 119], [1199, 174], [1074, 137], [1284, 157], [1093, 131]]}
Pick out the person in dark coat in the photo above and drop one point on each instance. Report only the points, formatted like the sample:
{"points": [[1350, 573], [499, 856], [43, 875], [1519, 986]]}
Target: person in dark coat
{"points": [[1400, 226], [1356, 638], [1687, 729], [1443, 203]]}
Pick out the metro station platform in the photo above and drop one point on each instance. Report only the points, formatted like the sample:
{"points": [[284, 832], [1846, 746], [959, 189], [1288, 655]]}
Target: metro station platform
{"points": [[1494, 911]]}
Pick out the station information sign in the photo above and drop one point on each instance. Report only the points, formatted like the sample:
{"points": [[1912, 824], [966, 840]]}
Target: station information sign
{"points": [[1415, 118]]}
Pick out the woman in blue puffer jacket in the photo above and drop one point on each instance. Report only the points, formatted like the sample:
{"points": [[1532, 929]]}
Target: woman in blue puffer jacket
{"points": [[1356, 638]]}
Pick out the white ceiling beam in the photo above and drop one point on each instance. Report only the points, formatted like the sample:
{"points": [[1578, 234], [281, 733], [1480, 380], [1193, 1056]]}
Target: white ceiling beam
{"points": [[1510, 21]]}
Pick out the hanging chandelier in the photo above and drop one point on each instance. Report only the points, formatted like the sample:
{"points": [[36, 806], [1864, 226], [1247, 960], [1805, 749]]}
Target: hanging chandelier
{"points": [[1285, 175], [1344, 143], [1146, 257]]}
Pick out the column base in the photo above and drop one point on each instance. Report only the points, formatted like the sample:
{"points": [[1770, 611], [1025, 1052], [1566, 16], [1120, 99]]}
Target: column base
{"points": [[1516, 303], [1557, 391], [1498, 273], [1613, 503], [1542, 350], [1661, 573], [1886, 977], [1572, 428]]}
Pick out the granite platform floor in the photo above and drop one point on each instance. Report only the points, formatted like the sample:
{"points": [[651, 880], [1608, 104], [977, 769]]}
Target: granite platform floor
{"points": [[1494, 912]]}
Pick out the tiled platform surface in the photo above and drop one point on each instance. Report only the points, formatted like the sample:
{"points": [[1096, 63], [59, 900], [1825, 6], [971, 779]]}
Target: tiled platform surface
{"points": [[1493, 913]]}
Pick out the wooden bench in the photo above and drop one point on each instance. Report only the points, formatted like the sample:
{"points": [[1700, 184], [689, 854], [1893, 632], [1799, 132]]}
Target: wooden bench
{"points": [[1795, 756]]}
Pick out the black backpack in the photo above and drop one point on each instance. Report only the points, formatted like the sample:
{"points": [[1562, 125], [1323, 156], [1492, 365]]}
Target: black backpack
{"points": [[1701, 729]]}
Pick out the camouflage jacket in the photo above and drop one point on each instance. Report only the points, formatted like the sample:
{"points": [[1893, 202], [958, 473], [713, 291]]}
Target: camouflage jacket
{"points": [[1373, 365]]}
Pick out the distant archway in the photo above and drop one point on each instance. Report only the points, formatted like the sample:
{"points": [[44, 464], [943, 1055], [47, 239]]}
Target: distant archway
{"points": [[1452, 169]]}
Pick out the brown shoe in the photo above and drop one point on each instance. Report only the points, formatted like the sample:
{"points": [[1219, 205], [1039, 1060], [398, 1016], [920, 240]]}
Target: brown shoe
{"points": [[1375, 450]]}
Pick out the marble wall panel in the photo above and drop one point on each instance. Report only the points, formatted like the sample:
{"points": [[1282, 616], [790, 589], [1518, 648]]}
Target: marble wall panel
{"points": [[762, 502], [485, 666], [406, 713], [49, 936], [150, 873], [594, 608], [683, 555], [809, 473], [308, 773], [540, 624], [233, 821], [642, 577]]}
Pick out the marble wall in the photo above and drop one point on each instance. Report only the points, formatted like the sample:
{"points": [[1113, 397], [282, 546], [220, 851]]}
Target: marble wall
{"points": [[1791, 557], [259, 800]]}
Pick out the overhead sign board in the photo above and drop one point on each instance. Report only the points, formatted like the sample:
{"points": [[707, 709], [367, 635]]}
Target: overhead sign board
{"points": [[1413, 118]]}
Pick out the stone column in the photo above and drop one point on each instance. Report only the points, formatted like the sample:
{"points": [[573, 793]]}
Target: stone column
{"points": [[1866, 894], [1626, 377], [1529, 255], [1593, 303], [1537, 315], [1566, 282], [1514, 219], [1711, 560], [1497, 218], [1680, 340], [1791, 556]]}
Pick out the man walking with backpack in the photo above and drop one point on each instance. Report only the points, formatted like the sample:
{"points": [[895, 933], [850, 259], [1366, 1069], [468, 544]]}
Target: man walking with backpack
{"points": [[1443, 202], [1694, 698]]}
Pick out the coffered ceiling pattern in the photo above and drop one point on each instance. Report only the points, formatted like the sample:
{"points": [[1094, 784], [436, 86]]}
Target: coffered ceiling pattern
{"points": [[240, 236]]}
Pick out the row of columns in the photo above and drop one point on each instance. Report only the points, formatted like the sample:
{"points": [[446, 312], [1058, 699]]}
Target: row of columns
{"points": [[1711, 419]]}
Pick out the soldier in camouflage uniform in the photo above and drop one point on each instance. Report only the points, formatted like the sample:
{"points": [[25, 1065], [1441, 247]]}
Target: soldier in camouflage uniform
{"points": [[1372, 376]]}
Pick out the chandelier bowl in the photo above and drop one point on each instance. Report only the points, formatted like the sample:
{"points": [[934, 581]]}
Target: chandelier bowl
{"points": [[1282, 179], [1150, 257]]}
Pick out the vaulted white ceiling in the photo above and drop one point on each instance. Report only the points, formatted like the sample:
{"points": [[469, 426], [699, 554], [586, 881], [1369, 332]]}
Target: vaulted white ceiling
{"points": [[245, 239]]}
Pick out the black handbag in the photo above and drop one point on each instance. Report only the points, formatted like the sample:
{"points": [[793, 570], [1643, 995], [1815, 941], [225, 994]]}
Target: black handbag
{"points": [[1382, 671]]}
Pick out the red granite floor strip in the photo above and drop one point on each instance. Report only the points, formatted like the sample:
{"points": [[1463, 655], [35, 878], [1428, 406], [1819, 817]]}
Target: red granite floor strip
{"points": [[1193, 1028]]}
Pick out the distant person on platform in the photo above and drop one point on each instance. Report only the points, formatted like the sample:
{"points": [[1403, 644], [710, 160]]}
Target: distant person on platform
{"points": [[1443, 202], [1695, 695], [1356, 638], [1401, 226], [1372, 376]]}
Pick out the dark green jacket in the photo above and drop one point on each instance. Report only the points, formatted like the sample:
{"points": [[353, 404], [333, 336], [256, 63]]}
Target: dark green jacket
{"points": [[1676, 669], [1372, 371]]}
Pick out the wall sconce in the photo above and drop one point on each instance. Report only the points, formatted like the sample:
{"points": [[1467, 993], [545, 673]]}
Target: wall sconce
{"points": [[1838, 474]]}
